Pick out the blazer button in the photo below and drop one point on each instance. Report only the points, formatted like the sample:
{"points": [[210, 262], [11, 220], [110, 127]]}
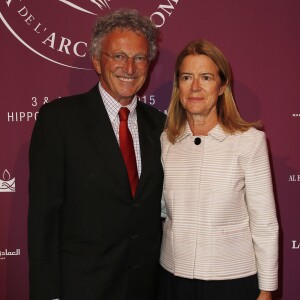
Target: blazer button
{"points": [[134, 236], [135, 267], [136, 205], [127, 268]]}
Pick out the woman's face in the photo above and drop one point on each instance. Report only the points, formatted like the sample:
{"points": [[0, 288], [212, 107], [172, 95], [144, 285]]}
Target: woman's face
{"points": [[199, 86]]}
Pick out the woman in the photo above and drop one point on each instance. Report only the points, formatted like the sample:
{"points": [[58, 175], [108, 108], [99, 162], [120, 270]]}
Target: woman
{"points": [[220, 236]]}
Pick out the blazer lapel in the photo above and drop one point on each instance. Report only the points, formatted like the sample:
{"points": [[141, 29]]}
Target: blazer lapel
{"points": [[101, 133], [147, 146]]}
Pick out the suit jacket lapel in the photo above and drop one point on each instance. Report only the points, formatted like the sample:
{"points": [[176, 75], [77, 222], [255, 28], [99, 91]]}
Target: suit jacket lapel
{"points": [[101, 133], [147, 146]]}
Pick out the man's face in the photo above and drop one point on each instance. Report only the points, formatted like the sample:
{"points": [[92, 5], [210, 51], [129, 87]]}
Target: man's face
{"points": [[121, 77]]}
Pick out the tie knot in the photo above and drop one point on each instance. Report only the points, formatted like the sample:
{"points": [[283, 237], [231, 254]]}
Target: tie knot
{"points": [[123, 113]]}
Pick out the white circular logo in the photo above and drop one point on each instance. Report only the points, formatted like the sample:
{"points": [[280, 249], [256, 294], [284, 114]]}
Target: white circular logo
{"points": [[40, 27]]}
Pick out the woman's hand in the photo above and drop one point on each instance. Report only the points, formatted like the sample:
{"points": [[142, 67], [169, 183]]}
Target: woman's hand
{"points": [[264, 295]]}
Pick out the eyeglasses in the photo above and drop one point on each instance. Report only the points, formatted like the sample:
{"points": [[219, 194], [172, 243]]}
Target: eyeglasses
{"points": [[122, 58]]}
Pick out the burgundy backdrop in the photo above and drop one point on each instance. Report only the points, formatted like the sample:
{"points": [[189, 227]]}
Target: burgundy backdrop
{"points": [[44, 55]]}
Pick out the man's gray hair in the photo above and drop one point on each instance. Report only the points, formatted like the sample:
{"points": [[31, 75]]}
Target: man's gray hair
{"points": [[128, 19]]}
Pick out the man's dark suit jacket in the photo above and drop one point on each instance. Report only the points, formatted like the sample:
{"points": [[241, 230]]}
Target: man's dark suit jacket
{"points": [[88, 238]]}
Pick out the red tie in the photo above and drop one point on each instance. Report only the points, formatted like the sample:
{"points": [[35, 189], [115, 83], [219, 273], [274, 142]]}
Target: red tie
{"points": [[127, 149]]}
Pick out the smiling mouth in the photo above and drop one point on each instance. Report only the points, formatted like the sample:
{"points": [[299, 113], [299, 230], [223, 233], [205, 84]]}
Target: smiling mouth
{"points": [[126, 79]]}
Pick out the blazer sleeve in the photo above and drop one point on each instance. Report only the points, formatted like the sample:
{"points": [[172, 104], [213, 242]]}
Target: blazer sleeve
{"points": [[46, 194], [262, 212]]}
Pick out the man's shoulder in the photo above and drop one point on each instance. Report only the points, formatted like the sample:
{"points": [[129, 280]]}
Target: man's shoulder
{"points": [[70, 109], [151, 116], [74, 104], [71, 101], [153, 112]]}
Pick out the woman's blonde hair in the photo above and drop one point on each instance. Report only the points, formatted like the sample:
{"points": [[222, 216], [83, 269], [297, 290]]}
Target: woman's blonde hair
{"points": [[228, 115]]}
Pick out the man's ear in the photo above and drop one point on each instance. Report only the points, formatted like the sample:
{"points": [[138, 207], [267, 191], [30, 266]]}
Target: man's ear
{"points": [[96, 64]]}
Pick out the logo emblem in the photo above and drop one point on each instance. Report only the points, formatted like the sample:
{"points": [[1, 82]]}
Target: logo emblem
{"points": [[39, 27], [8, 183], [101, 4]]}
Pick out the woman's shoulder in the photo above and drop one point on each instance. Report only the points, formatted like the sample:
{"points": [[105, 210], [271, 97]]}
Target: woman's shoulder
{"points": [[164, 137], [251, 140], [252, 133], [165, 144]]}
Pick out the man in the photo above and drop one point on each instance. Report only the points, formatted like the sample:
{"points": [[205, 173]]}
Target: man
{"points": [[94, 229]]}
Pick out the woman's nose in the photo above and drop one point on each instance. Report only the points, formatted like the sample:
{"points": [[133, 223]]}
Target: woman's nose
{"points": [[196, 85]]}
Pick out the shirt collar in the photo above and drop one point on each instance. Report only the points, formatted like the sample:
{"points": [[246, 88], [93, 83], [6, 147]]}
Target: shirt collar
{"points": [[217, 133], [113, 106]]}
